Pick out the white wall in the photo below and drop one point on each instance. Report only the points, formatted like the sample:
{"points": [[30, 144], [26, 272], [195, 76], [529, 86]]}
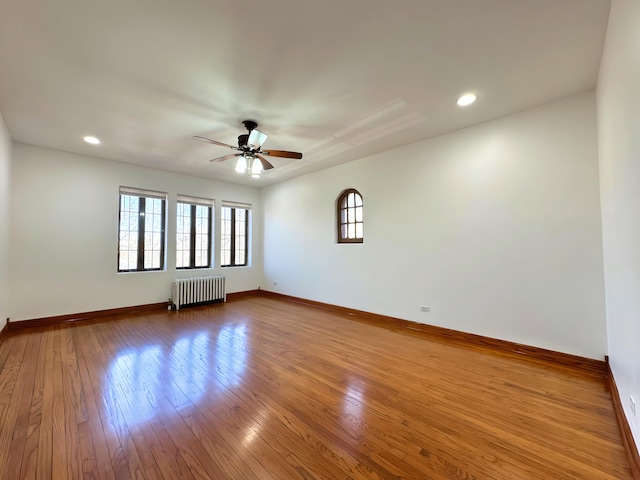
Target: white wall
{"points": [[619, 142], [5, 162], [497, 228], [64, 230]]}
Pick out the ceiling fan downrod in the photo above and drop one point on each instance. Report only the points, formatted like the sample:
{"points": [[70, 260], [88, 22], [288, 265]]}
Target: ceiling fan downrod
{"points": [[249, 125]]}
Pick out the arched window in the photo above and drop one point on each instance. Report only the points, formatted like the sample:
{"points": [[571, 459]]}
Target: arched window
{"points": [[349, 210]]}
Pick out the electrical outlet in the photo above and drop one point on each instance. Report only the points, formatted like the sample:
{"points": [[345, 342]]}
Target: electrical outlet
{"points": [[424, 308], [633, 405]]}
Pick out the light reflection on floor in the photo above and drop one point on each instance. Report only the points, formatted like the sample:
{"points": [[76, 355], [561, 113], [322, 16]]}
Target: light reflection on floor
{"points": [[353, 402], [231, 355], [139, 380], [188, 366], [353, 399]]}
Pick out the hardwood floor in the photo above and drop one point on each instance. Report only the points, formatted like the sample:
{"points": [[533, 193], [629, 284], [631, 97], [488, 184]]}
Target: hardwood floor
{"points": [[260, 388]]}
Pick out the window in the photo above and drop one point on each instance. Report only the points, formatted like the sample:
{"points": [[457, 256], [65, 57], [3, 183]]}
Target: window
{"points": [[193, 232], [350, 224], [141, 230], [234, 235]]}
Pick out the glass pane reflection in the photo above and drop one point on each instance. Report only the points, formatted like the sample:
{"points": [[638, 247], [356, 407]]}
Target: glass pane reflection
{"points": [[131, 390], [231, 355], [189, 365], [139, 381]]}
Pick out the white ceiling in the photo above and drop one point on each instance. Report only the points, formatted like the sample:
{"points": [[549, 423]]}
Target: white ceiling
{"points": [[334, 79]]}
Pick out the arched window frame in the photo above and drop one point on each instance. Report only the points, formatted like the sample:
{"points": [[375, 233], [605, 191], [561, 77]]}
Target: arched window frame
{"points": [[350, 216]]}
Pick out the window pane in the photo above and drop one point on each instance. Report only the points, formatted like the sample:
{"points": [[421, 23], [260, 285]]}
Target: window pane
{"points": [[151, 229], [133, 222], [241, 240], [133, 242], [350, 215], [180, 259], [225, 236], [148, 260], [127, 234], [201, 254], [239, 228], [239, 243], [201, 259], [193, 225], [233, 236], [183, 235], [124, 220], [153, 233], [128, 261], [202, 250]]}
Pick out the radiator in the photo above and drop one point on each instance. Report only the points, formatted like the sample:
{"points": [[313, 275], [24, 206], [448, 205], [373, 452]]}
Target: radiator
{"points": [[189, 291]]}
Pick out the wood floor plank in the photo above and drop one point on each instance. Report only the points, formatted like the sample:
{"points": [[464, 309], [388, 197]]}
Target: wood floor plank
{"points": [[107, 445], [94, 447], [116, 400], [16, 417], [101, 445], [259, 388], [44, 463], [29, 461]]}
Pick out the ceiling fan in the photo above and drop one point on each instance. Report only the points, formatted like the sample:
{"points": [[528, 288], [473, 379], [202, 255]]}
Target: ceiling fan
{"points": [[250, 154]]}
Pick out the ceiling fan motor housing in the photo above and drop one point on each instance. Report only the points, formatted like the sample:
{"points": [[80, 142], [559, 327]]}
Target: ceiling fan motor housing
{"points": [[243, 139]]}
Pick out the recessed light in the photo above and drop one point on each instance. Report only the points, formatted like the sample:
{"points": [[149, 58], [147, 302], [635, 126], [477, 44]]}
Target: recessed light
{"points": [[91, 140], [466, 99]]}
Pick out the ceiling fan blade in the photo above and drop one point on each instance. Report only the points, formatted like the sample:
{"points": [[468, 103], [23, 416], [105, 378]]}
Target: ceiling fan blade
{"points": [[265, 163], [226, 157], [283, 154], [256, 139], [215, 142]]}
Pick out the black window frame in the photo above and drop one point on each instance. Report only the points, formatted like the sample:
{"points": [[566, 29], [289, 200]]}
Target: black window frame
{"points": [[342, 212], [192, 236], [142, 199], [233, 233]]}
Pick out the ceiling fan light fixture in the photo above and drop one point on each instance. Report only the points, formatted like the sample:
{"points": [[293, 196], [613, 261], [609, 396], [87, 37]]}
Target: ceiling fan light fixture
{"points": [[466, 99], [256, 167], [256, 139], [241, 165]]}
